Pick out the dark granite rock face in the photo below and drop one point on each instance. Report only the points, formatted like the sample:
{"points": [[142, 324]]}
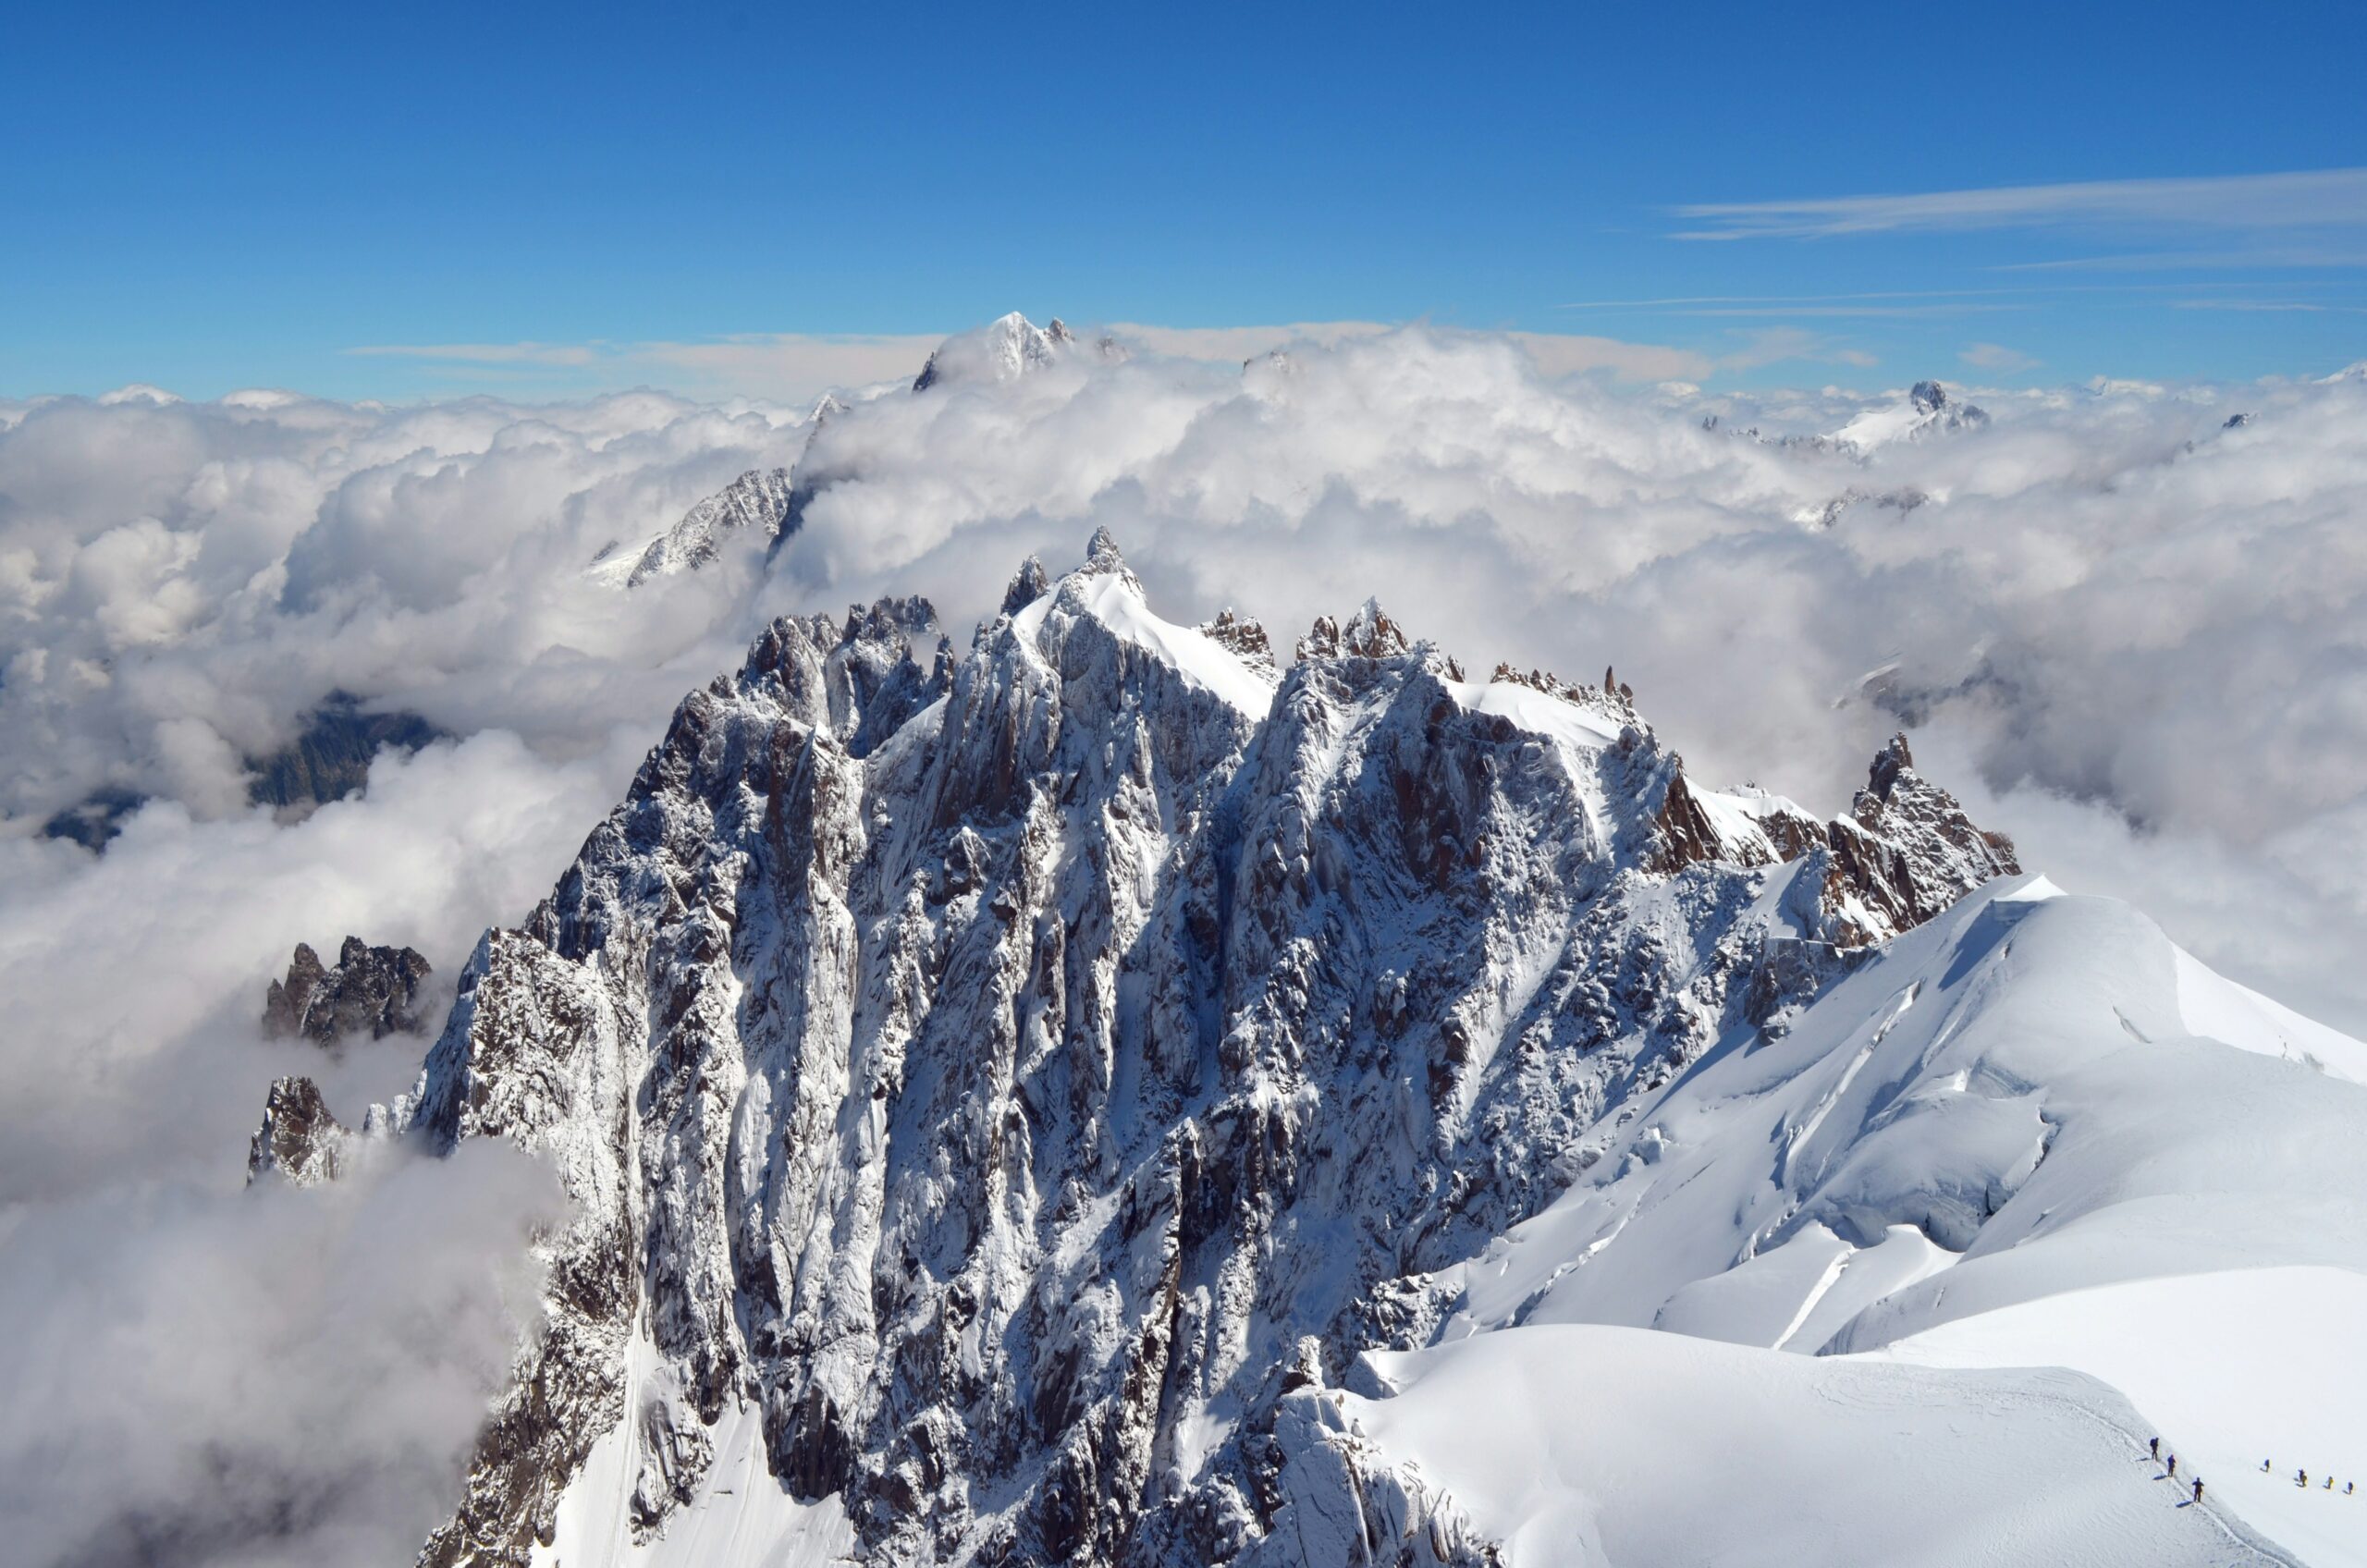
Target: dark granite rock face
{"points": [[331, 758], [949, 1063], [371, 991], [1905, 852], [95, 822]]}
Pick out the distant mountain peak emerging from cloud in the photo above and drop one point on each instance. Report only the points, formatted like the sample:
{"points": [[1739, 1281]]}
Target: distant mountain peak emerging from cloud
{"points": [[1103, 1098], [1005, 349], [764, 503], [1926, 410], [757, 503]]}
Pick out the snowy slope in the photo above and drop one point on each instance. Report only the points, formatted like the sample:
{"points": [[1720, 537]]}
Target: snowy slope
{"points": [[1114, 599], [757, 503], [2230, 1370], [741, 1518], [2216, 1006], [2015, 1081], [1926, 410], [1586, 1447], [1995, 1147]]}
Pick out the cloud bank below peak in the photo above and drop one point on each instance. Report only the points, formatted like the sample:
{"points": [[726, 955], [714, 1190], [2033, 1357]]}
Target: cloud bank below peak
{"points": [[2091, 592]]}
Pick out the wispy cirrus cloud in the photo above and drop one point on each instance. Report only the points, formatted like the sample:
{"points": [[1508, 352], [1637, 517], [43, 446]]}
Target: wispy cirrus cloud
{"points": [[2301, 199], [2296, 258], [486, 354], [1997, 357], [1675, 302], [2308, 307], [1866, 312]]}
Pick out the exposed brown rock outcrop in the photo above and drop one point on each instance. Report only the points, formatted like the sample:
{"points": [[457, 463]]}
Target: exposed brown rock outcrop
{"points": [[298, 1138]]}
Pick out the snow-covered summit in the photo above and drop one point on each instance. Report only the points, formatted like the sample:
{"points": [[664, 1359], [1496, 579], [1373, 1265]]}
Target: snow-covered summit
{"points": [[1050, 1103], [759, 502], [1004, 350], [1928, 410]]}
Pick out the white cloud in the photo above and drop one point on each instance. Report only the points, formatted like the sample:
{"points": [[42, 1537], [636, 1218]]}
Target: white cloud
{"points": [[229, 566], [267, 1380], [201, 1375], [786, 366], [1997, 357], [1559, 354]]}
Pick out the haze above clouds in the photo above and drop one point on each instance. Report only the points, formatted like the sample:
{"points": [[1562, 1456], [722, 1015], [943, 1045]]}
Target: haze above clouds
{"points": [[2132, 634]]}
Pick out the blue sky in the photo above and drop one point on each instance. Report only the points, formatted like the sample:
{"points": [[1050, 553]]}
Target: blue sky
{"points": [[559, 200]]}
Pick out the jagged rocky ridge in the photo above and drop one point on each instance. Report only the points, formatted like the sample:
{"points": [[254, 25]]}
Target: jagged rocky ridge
{"points": [[329, 760], [299, 1139], [1007, 1078], [331, 755], [759, 502], [370, 990]]}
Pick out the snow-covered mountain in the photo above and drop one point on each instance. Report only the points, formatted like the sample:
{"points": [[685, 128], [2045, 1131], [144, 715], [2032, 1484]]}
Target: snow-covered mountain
{"points": [[767, 503], [757, 502], [1926, 410], [1004, 350], [1102, 1097], [2031, 1134], [368, 990]]}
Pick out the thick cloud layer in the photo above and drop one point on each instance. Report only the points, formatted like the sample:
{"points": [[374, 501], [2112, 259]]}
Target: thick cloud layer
{"points": [[179, 583], [191, 1373], [288, 1378], [2140, 626], [2133, 633]]}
